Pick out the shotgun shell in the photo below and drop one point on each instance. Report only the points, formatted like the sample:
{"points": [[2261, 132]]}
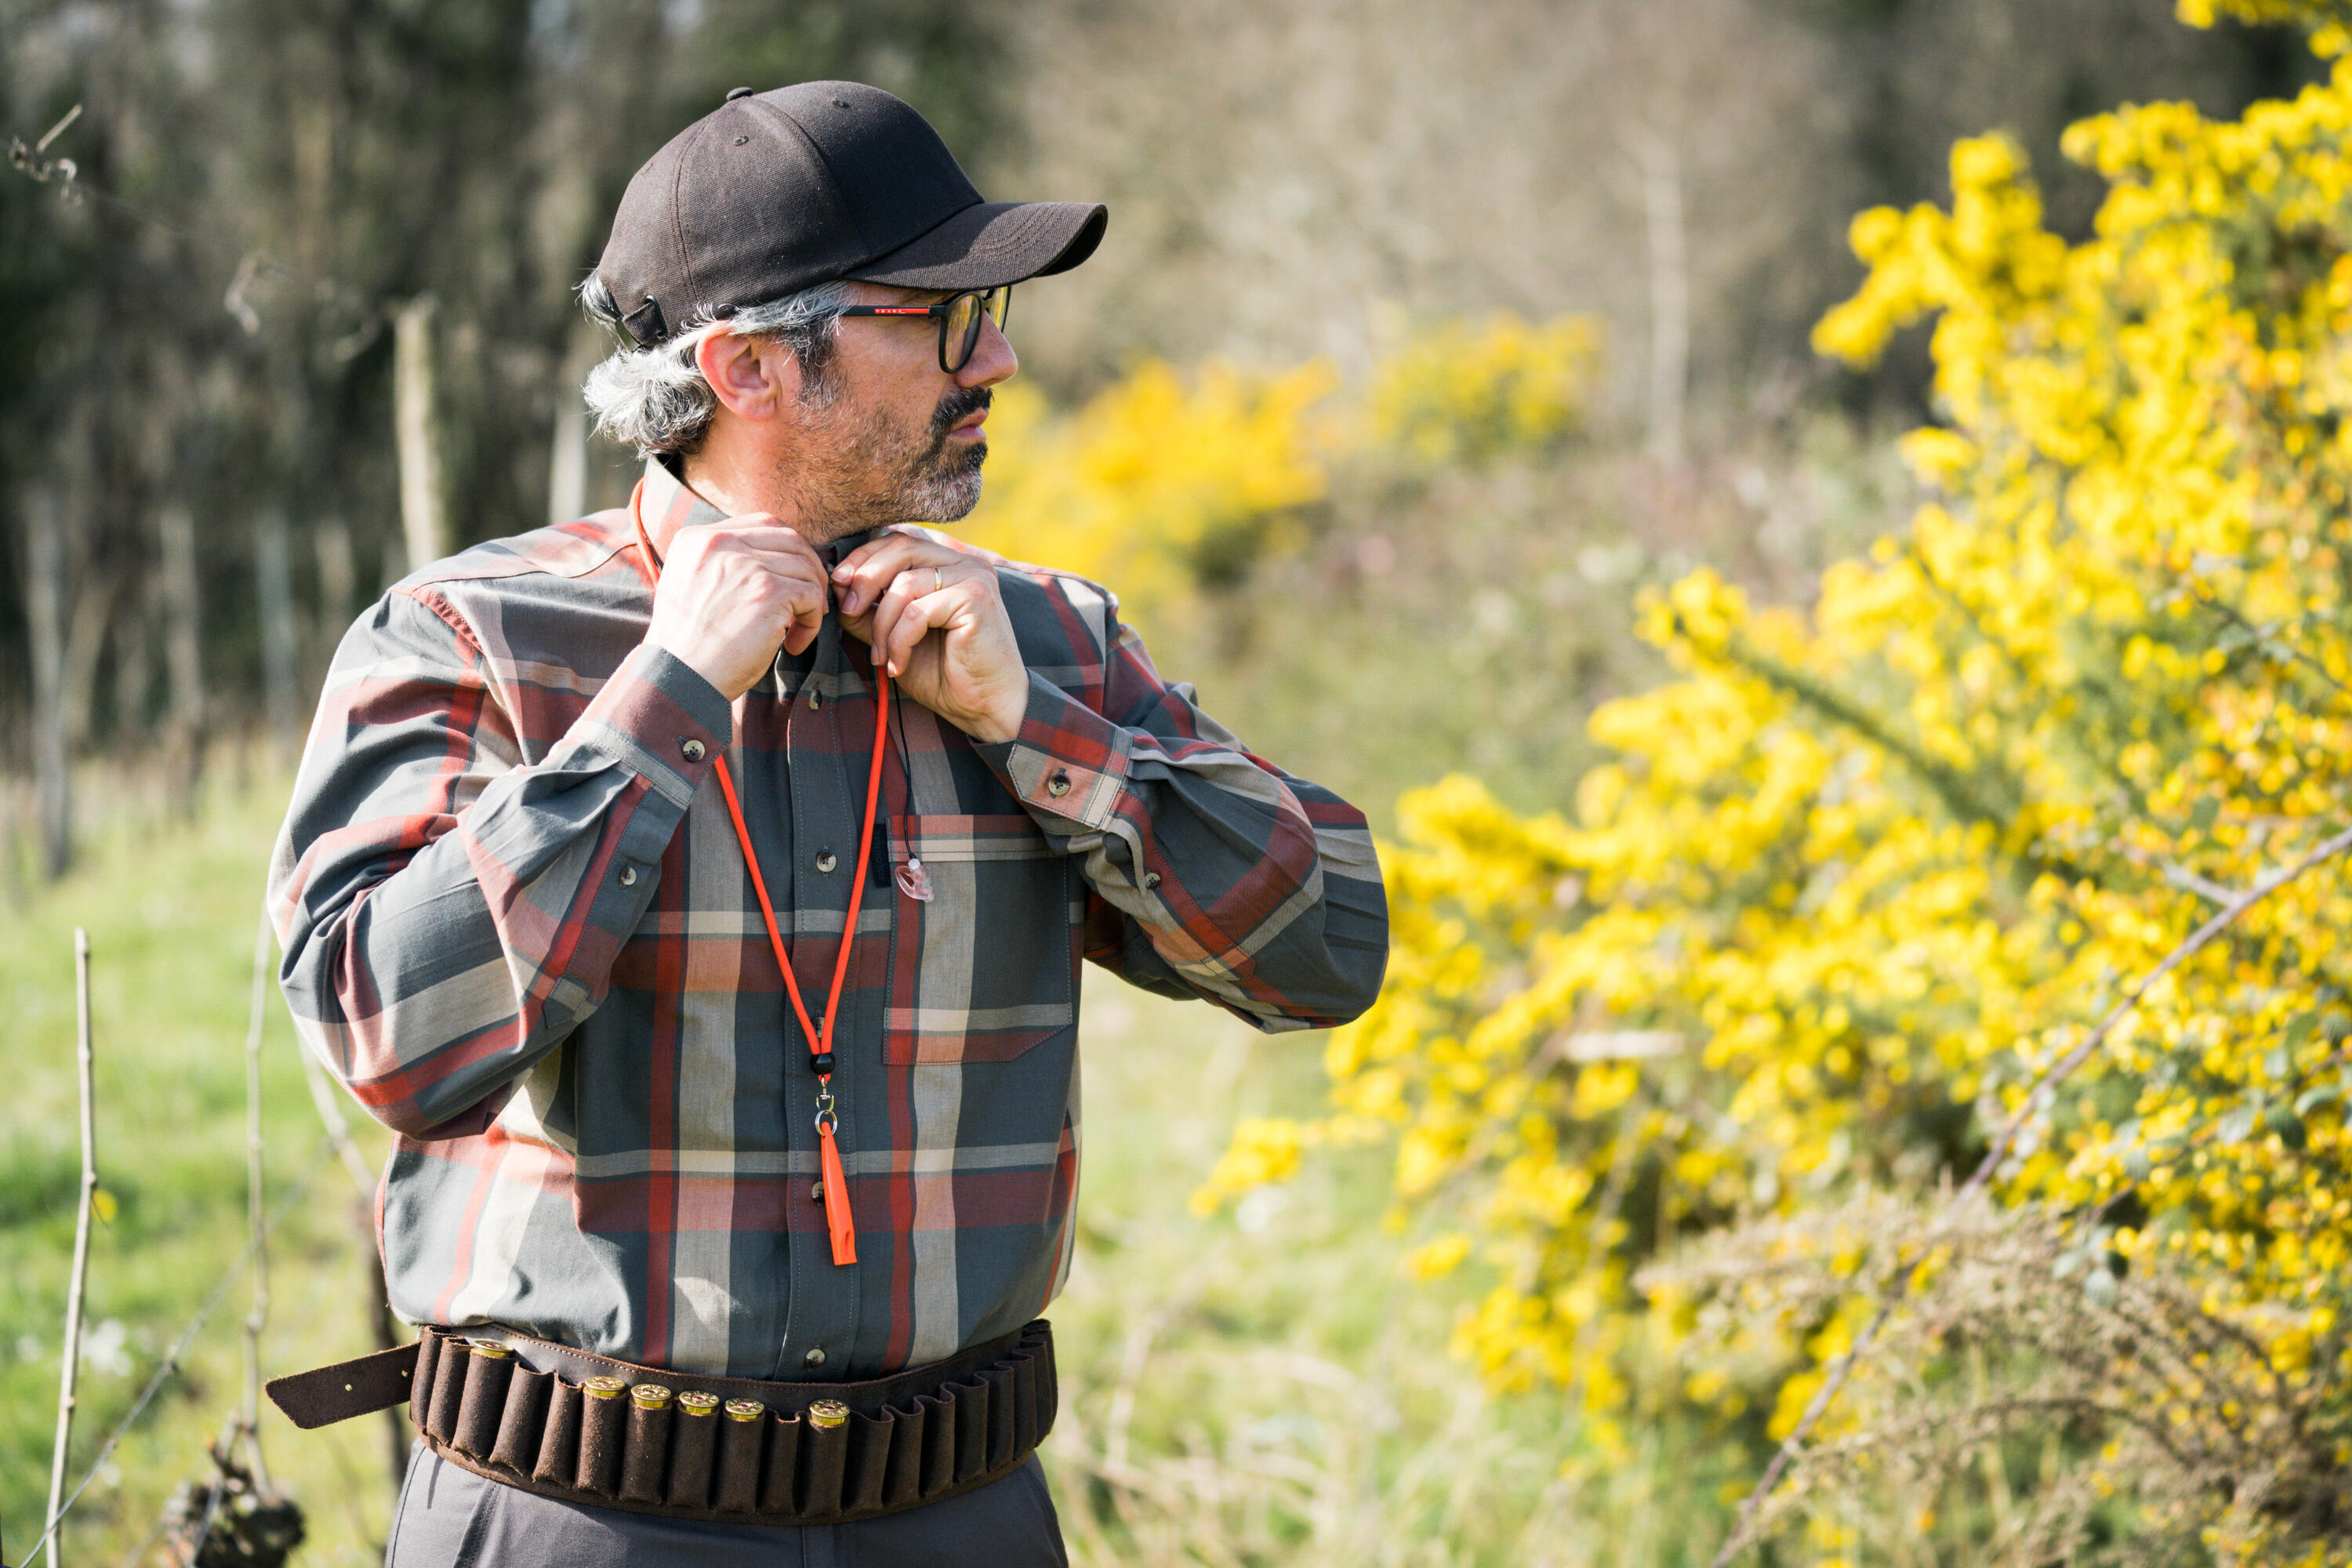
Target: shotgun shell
{"points": [[604, 1388], [694, 1402], [649, 1396], [490, 1350], [745, 1410], [827, 1413]]}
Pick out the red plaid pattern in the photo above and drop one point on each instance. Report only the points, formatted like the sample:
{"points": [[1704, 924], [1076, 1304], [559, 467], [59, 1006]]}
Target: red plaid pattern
{"points": [[517, 926]]}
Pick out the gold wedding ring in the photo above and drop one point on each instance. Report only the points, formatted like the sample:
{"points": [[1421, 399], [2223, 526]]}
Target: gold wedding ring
{"points": [[937, 582]]}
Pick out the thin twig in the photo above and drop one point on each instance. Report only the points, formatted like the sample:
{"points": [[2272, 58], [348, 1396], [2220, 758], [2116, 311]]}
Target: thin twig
{"points": [[70, 1374], [256, 1317], [2036, 1100]]}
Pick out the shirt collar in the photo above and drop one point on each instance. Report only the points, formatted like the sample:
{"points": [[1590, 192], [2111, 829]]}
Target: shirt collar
{"points": [[664, 498]]}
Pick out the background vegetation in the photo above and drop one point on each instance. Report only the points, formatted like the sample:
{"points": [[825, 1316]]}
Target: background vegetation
{"points": [[1447, 412]]}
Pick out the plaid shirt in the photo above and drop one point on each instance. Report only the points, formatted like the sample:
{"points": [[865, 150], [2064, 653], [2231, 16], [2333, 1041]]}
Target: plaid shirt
{"points": [[517, 926]]}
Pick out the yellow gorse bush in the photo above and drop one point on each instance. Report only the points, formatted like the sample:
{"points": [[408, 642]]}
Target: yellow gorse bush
{"points": [[1165, 484], [1465, 392], [1860, 873]]}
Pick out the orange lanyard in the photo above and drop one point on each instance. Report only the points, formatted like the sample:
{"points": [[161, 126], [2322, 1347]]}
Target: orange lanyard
{"points": [[837, 1220]]}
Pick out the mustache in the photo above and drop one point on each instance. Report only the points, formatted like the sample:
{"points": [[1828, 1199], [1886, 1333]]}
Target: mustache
{"points": [[957, 407]]}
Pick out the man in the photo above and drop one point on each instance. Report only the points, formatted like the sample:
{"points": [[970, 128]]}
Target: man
{"points": [[698, 890]]}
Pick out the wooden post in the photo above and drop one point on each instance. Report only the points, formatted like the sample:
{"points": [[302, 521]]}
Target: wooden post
{"points": [[71, 1373], [423, 514], [45, 594]]}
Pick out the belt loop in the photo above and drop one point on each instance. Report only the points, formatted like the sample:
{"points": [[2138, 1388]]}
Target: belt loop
{"points": [[939, 1442], [780, 1492], [525, 1419], [902, 1481], [645, 1455], [559, 1441], [971, 1427], [420, 1382], [603, 1424], [825, 1458], [489, 1366], [449, 1373], [693, 1445], [868, 1463], [742, 1439], [1000, 1413]]}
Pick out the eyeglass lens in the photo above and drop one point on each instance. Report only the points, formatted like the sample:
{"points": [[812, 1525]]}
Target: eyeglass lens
{"points": [[960, 330]]}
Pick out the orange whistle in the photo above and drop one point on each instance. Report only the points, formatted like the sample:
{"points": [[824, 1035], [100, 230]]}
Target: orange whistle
{"points": [[836, 1200]]}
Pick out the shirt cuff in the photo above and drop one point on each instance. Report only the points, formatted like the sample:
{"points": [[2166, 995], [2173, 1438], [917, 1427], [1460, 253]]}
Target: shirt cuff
{"points": [[1069, 763], [661, 719]]}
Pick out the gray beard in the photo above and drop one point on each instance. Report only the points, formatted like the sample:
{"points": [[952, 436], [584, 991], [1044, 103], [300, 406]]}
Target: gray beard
{"points": [[875, 473]]}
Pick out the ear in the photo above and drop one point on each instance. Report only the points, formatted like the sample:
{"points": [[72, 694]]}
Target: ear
{"points": [[754, 378]]}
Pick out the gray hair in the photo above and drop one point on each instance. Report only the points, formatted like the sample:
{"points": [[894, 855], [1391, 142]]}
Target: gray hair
{"points": [[657, 400]]}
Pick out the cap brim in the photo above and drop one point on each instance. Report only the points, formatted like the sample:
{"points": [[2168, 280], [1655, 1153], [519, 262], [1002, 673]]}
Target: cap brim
{"points": [[991, 244]]}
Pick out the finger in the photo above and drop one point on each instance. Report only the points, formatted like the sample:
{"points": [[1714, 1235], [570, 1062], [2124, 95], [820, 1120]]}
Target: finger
{"points": [[808, 602], [892, 535], [890, 608], [861, 581], [921, 616]]}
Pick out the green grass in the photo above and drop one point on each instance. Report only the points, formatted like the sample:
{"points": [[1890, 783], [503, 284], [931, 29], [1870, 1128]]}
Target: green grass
{"points": [[171, 909]]}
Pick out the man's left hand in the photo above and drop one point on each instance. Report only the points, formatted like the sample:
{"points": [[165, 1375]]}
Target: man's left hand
{"points": [[935, 620]]}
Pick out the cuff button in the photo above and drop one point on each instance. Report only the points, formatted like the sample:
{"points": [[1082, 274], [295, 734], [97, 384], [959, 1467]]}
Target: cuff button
{"points": [[691, 748], [1058, 785]]}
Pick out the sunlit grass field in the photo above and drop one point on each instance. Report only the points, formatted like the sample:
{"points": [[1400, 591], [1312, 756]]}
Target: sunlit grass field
{"points": [[1264, 1387]]}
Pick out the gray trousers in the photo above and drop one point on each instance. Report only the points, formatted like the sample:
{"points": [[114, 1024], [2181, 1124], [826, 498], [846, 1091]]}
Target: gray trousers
{"points": [[452, 1517]]}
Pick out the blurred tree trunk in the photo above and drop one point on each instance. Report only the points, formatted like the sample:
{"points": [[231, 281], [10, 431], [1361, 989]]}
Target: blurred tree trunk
{"points": [[182, 653], [274, 579], [423, 514], [338, 579], [44, 592], [1662, 207]]}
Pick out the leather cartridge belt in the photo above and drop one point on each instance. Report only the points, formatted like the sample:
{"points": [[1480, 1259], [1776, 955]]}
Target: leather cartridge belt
{"points": [[590, 1429]]}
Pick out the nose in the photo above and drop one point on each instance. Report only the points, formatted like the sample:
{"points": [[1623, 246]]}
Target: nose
{"points": [[993, 361]]}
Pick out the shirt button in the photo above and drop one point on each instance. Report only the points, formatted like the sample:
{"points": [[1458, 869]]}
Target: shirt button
{"points": [[1151, 878], [825, 862], [1058, 785], [628, 876], [817, 1192], [815, 700], [816, 1357], [691, 748]]}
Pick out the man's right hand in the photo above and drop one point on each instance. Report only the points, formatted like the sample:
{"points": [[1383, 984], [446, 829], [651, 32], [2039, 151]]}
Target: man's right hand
{"points": [[732, 593]]}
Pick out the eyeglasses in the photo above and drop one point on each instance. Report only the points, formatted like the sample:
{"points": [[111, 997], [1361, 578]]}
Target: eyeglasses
{"points": [[960, 319]]}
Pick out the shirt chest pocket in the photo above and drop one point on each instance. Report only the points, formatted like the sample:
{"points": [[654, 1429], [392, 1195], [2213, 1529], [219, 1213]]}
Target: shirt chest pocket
{"points": [[985, 967]]}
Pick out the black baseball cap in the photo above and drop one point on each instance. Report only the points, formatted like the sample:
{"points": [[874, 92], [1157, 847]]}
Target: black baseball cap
{"points": [[776, 192]]}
